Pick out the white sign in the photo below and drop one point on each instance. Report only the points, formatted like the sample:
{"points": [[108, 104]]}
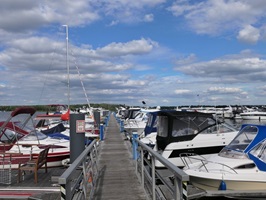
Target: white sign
{"points": [[80, 126]]}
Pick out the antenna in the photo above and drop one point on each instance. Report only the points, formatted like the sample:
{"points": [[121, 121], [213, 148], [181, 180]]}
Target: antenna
{"points": [[68, 93]]}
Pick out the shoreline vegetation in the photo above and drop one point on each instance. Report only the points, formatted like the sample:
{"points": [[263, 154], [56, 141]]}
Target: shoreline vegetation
{"points": [[111, 107]]}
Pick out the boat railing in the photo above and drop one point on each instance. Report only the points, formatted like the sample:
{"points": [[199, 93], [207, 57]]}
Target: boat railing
{"points": [[174, 180], [189, 158]]}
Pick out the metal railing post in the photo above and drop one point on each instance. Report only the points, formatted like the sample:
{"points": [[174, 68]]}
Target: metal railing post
{"points": [[142, 168], [153, 177], [135, 146], [101, 132], [179, 190], [121, 126]]}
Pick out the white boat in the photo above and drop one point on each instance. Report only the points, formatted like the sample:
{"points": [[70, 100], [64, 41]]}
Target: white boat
{"points": [[138, 123], [34, 142], [120, 112], [190, 132], [241, 165], [21, 141], [253, 115], [226, 112], [130, 113]]}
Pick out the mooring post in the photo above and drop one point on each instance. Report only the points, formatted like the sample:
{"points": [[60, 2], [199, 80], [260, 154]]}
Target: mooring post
{"points": [[77, 135], [97, 118], [135, 146]]}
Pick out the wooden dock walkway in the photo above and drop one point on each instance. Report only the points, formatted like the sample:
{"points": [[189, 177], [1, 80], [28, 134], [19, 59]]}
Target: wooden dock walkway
{"points": [[117, 178]]}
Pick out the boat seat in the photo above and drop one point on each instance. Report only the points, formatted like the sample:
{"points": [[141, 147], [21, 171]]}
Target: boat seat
{"points": [[34, 165]]}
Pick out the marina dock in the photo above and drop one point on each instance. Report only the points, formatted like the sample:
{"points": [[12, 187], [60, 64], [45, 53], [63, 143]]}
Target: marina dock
{"points": [[117, 178]]}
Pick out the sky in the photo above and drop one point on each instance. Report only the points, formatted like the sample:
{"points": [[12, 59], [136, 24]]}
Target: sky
{"points": [[166, 53]]}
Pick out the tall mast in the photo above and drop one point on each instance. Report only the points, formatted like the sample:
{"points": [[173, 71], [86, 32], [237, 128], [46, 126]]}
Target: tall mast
{"points": [[68, 85]]}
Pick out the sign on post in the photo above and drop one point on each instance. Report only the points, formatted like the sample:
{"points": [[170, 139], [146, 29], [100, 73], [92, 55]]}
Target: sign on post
{"points": [[80, 126]]}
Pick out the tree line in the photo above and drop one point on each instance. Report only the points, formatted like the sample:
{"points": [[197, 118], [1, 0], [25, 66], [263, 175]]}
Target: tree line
{"points": [[110, 107]]}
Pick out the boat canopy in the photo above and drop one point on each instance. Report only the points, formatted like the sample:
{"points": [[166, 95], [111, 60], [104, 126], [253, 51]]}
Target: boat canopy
{"points": [[176, 126], [23, 110]]}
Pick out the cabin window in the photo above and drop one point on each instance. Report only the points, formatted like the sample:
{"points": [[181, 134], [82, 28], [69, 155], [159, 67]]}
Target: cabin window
{"points": [[181, 129], [162, 128], [220, 127], [246, 166]]}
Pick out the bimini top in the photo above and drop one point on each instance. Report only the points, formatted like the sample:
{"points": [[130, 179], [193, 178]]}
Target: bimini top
{"points": [[23, 110]]}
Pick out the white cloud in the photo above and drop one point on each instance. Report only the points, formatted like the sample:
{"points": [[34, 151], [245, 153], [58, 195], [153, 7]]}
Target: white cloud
{"points": [[131, 62], [249, 34], [216, 17], [182, 91], [183, 60], [18, 16], [239, 69], [148, 18], [135, 47], [224, 90], [127, 11]]}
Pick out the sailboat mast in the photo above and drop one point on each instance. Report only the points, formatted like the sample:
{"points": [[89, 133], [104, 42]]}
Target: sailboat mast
{"points": [[68, 85]]}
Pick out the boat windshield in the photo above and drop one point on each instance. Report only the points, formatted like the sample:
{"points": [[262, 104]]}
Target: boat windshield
{"points": [[260, 151], [9, 136], [150, 118], [240, 143], [218, 128], [138, 115], [34, 135]]}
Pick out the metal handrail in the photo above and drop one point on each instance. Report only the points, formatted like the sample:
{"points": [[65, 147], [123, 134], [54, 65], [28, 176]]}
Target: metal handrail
{"points": [[180, 178], [72, 182]]}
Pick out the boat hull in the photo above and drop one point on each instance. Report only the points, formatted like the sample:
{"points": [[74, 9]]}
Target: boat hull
{"points": [[253, 115], [213, 184]]}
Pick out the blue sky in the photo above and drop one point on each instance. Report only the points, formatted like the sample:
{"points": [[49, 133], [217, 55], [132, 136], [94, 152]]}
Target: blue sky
{"points": [[166, 53]]}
